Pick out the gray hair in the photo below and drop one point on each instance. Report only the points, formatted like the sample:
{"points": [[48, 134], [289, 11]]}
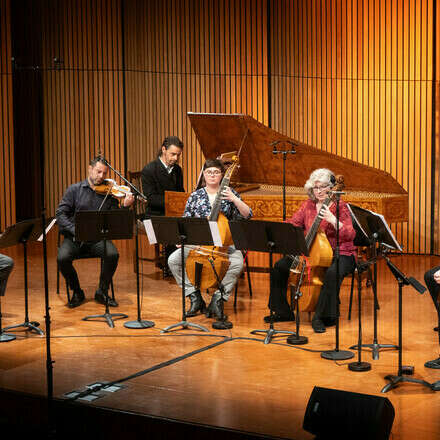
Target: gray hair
{"points": [[320, 175]]}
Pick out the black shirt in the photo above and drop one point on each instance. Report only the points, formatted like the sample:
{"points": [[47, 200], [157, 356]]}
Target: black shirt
{"points": [[155, 181], [80, 197]]}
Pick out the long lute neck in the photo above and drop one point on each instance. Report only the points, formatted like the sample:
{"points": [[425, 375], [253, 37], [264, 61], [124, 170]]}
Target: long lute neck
{"points": [[215, 211], [315, 226]]}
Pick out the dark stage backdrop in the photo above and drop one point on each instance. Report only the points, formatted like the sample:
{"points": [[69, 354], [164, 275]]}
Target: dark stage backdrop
{"points": [[353, 77]]}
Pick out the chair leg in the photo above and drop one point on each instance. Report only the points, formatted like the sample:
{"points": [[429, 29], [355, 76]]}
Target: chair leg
{"points": [[58, 279], [351, 296], [68, 292], [235, 295], [113, 289], [248, 278]]}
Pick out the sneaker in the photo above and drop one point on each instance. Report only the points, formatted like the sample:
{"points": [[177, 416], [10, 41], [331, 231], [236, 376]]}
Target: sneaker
{"points": [[77, 299], [101, 297]]}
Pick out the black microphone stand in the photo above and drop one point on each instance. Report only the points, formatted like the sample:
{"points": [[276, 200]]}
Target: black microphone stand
{"points": [[336, 354], [359, 365], [139, 322], [284, 153], [375, 346], [401, 377], [294, 339]]}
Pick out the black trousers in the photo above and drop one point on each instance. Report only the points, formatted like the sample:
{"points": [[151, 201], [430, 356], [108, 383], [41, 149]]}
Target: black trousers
{"points": [[326, 306], [71, 250], [433, 287]]}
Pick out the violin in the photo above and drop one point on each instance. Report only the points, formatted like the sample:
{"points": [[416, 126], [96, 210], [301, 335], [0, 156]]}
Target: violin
{"points": [[109, 186]]}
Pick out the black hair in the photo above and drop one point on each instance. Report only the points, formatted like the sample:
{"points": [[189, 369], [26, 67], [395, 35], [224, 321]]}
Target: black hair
{"points": [[216, 163], [168, 141], [97, 159]]}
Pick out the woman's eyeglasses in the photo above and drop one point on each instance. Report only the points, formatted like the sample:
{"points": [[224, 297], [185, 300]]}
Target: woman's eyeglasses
{"points": [[212, 172], [320, 188]]}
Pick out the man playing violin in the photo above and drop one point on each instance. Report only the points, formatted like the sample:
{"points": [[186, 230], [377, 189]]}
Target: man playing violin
{"points": [[82, 196], [199, 204], [317, 186]]}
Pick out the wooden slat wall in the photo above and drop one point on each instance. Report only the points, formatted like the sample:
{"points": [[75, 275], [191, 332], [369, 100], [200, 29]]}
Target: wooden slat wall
{"points": [[191, 55], [7, 184], [83, 94], [354, 77]]}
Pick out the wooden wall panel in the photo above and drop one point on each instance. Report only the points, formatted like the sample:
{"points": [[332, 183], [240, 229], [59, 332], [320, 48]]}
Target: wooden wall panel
{"points": [[82, 90], [7, 186], [354, 77], [191, 55]]}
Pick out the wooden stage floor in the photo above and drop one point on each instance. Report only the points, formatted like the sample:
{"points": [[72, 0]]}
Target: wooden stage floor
{"points": [[240, 383]]}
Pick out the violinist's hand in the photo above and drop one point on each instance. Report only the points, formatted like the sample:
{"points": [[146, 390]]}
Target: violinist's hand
{"points": [[437, 277], [128, 200], [227, 194]]}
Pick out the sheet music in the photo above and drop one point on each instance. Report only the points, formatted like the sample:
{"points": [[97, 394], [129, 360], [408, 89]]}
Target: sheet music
{"points": [[388, 230], [383, 222], [215, 234], [353, 217], [48, 228], [148, 225]]}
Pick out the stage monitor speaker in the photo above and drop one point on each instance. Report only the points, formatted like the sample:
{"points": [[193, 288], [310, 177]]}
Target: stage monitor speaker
{"points": [[345, 415]]}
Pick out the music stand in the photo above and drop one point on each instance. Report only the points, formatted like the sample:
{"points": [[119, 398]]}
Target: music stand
{"points": [[272, 237], [23, 232], [180, 231], [375, 230], [94, 226], [400, 377]]}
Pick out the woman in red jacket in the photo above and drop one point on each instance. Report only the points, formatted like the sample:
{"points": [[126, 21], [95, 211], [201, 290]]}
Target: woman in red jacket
{"points": [[317, 186]]}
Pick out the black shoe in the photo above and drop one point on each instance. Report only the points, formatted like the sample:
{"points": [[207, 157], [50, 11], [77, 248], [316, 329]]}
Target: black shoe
{"points": [[214, 309], [433, 364], [329, 322], [101, 297], [278, 317], [77, 299], [318, 326], [197, 304]]}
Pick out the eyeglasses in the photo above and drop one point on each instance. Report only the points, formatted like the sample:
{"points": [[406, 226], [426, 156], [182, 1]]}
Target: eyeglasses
{"points": [[212, 172], [320, 188]]}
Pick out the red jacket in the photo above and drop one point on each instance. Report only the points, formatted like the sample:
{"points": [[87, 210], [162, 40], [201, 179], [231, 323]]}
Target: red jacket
{"points": [[305, 217]]}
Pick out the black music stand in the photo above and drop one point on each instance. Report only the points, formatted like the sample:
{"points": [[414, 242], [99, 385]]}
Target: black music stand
{"points": [[181, 231], [116, 224], [23, 232], [375, 230], [272, 237], [401, 377]]}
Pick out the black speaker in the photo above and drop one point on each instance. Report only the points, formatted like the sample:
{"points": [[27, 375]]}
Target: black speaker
{"points": [[345, 415]]}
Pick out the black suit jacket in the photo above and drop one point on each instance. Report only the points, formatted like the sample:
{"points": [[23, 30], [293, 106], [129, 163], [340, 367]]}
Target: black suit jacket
{"points": [[155, 181]]}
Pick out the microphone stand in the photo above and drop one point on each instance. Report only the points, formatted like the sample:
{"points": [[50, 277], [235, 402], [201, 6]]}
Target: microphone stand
{"points": [[139, 322], [400, 377], [284, 153], [336, 354]]}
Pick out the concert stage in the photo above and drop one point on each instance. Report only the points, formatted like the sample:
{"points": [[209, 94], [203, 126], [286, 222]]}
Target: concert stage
{"points": [[189, 383]]}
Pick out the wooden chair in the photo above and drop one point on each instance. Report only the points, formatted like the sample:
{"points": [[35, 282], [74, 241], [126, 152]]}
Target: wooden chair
{"points": [[159, 252]]}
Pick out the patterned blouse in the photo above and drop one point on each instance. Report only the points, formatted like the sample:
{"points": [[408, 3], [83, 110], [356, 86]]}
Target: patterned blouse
{"points": [[198, 205]]}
